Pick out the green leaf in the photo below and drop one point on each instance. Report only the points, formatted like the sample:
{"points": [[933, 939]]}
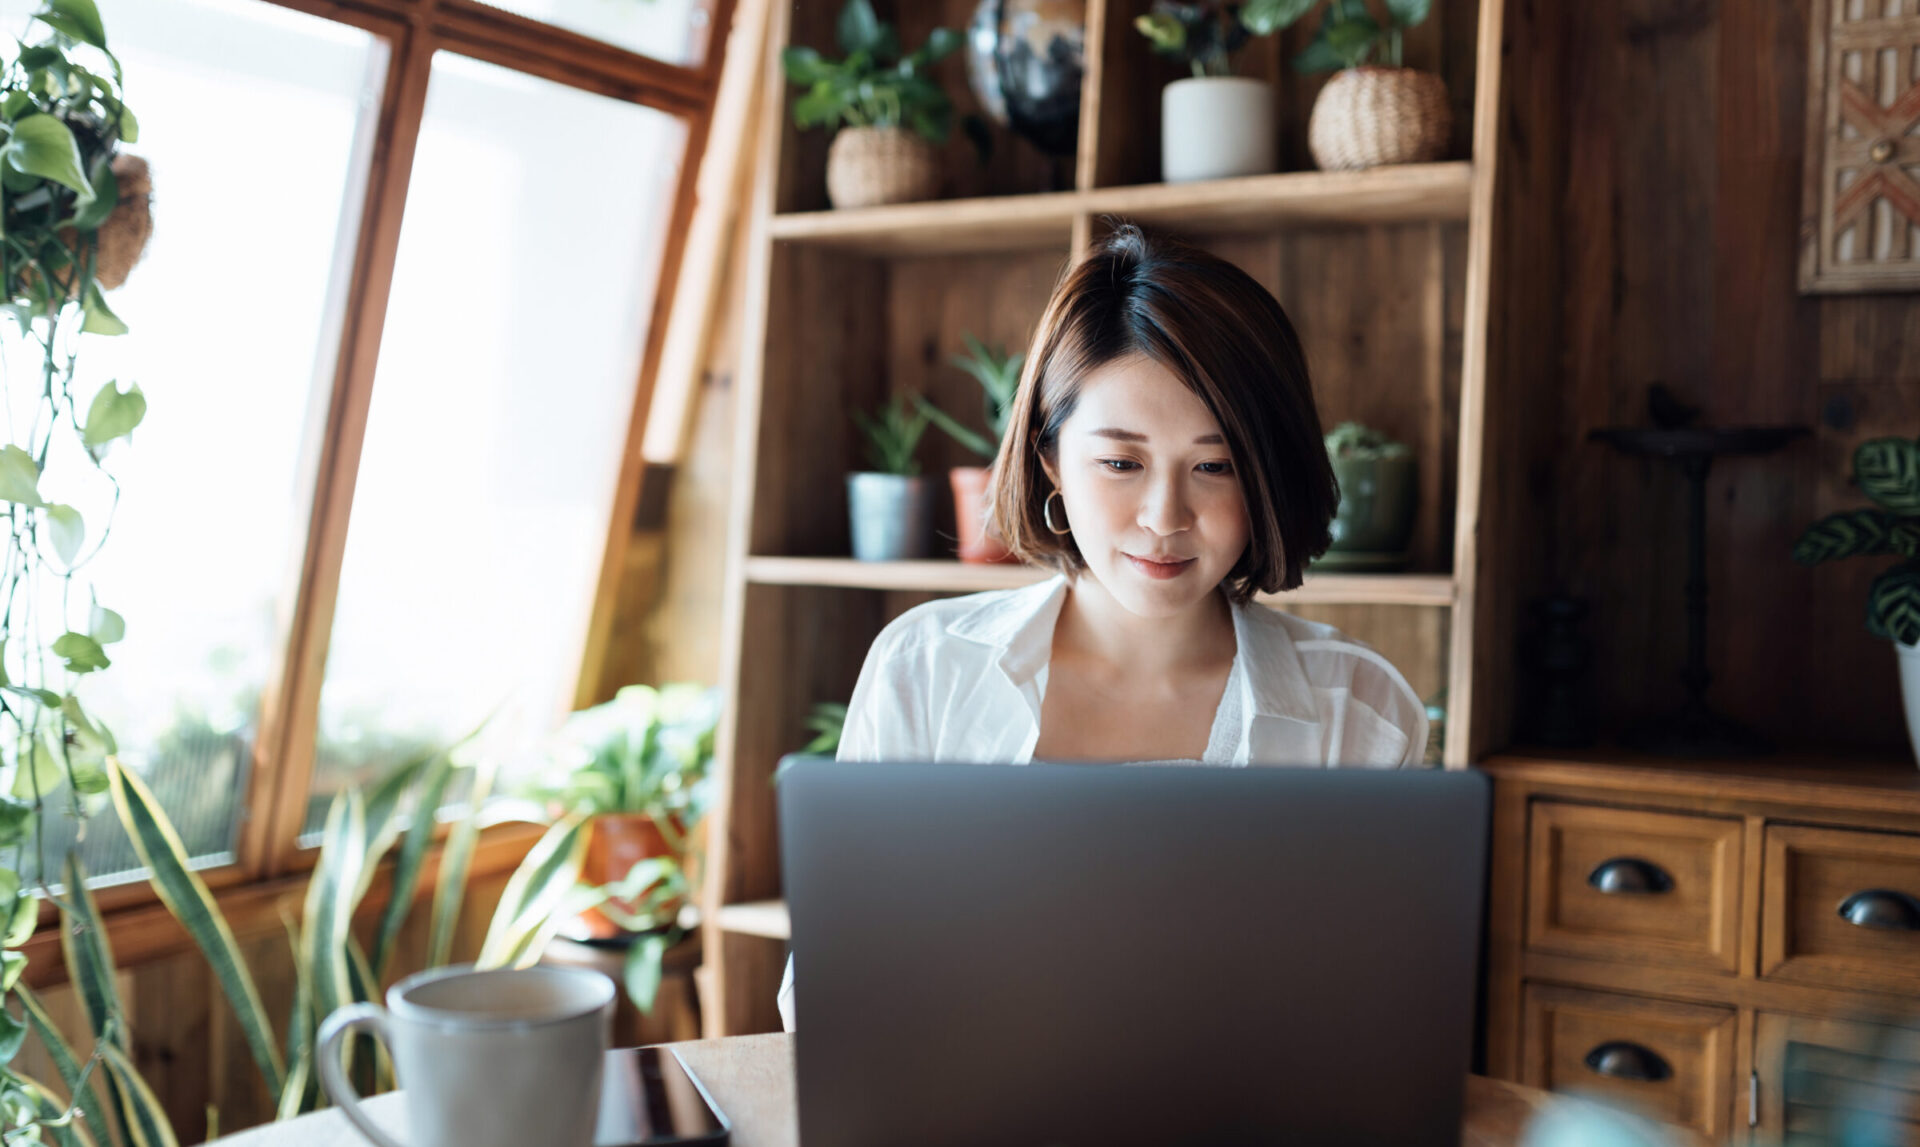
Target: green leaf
{"points": [[1407, 13], [1855, 533], [37, 772], [455, 860], [45, 697], [1353, 38], [19, 477], [804, 66], [68, 532], [83, 653], [42, 145], [77, 18], [13, 1032], [114, 413], [971, 439], [107, 626], [16, 818], [1265, 17], [149, 1116], [1165, 33], [25, 919], [859, 28], [1893, 604], [941, 43], [64, 1062], [330, 902], [83, 939], [106, 197], [533, 893], [100, 319], [129, 123], [15, 103], [641, 971], [186, 896], [413, 852], [1888, 470]]}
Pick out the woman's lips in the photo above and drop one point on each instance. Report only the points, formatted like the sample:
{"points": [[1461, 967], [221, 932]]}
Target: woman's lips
{"points": [[1161, 569]]}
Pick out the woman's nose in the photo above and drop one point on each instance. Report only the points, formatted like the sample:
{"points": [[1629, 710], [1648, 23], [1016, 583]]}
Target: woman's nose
{"points": [[1166, 509]]}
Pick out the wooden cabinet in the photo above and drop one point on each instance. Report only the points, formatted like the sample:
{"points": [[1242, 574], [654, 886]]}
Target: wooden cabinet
{"points": [[1671, 1061], [1734, 947]]}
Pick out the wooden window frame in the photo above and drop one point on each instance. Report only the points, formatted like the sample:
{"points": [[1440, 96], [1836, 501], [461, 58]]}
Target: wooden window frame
{"points": [[268, 861]]}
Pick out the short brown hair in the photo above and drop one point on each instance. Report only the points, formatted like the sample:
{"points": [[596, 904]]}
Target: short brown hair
{"points": [[1224, 335]]}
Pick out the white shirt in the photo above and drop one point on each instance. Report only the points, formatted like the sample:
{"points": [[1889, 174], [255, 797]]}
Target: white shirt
{"points": [[962, 679]]}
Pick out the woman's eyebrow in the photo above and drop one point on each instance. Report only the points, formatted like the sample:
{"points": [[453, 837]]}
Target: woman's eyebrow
{"points": [[1132, 436]]}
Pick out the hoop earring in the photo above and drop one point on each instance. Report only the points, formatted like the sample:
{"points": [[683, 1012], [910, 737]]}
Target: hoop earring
{"points": [[1046, 513]]}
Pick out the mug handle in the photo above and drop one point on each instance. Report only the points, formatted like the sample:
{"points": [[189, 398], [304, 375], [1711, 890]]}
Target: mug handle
{"points": [[338, 1026]]}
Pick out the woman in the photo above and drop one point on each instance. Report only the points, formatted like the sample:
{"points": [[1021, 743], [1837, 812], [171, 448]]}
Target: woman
{"points": [[1164, 455]]}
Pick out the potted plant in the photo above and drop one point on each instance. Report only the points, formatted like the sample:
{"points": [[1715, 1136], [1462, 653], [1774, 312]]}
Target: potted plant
{"points": [[1379, 491], [634, 769], [999, 376], [889, 504], [1375, 111], [1887, 470], [1214, 124], [893, 111]]}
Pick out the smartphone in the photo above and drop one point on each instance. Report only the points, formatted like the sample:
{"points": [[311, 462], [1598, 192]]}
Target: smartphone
{"points": [[648, 1098]]}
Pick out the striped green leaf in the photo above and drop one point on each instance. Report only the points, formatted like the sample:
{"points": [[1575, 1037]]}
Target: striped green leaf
{"points": [[413, 852], [1893, 604], [455, 860], [1855, 533], [293, 1097], [186, 896], [332, 893], [366, 990], [72, 1075], [534, 892], [83, 940], [1888, 470], [150, 1127]]}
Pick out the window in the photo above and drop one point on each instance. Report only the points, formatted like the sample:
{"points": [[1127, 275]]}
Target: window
{"points": [[500, 410], [528, 225]]}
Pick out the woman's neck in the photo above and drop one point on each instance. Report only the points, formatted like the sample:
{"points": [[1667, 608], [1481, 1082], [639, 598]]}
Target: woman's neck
{"points": [[1097, 630]]}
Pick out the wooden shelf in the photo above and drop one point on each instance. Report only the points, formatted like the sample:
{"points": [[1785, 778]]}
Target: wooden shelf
{"points": [[960, 577], [766, 918], [1424, 191]]}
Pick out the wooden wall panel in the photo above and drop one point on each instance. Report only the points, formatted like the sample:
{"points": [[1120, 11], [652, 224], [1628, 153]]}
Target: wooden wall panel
{"points": [[1680, 232]]}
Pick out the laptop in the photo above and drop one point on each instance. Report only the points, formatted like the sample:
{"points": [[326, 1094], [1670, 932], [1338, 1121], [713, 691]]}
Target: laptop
{"points": [[1064, 955]]}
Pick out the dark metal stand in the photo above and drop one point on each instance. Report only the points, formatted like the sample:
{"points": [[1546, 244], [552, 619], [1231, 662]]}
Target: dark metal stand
{"points": [[1696, 730]]}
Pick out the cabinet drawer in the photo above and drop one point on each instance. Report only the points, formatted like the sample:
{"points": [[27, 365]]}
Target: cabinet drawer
{"points": [[1841, 908], [1670, 1061], [1820, 1077], [1622, 884]]}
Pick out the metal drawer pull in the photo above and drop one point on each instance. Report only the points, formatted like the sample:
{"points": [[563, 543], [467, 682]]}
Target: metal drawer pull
{"points": [[1618, 1059], [1880, 908], [1630, 876]]}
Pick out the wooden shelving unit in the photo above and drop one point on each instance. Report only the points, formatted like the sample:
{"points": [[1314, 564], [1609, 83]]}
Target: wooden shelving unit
{"points": [[1383, 272]]}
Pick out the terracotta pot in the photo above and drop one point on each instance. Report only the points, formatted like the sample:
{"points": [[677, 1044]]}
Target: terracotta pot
{"points": [[615, 843], [869, 166], [977, 543], [1370, 116]]}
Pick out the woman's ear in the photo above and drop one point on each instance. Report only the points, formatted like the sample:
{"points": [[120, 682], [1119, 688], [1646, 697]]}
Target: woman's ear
{"points": [[1052, 472]]}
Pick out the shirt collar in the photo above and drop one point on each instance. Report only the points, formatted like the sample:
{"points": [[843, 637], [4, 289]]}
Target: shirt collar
{"points": [[1020, 624]]}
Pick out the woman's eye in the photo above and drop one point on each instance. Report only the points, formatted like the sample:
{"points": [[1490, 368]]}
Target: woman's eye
{"points": [[1216, 467], [1119, 465]]}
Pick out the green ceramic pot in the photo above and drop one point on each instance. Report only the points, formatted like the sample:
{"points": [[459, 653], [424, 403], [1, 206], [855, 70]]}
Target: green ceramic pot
{"points": [[1378, 497]]}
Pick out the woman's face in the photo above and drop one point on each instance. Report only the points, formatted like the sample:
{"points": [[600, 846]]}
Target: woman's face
{"points": [[1150, 489]]}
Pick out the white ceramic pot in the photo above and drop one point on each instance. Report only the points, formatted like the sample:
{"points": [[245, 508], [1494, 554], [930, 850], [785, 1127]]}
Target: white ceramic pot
{"points": [[1216, 127], [1910, 690]]}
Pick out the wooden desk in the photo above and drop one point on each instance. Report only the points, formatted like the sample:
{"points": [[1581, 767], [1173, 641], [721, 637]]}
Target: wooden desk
{"points": [[751, 1078]]}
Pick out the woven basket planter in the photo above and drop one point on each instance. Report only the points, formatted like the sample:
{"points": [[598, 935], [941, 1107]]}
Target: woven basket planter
{"points": [[1369, 116], [868, 166]]}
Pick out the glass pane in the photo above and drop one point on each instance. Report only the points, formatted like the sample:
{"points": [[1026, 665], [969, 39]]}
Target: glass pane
{"points": [[226, 320], [670, 30], [527, 263]]}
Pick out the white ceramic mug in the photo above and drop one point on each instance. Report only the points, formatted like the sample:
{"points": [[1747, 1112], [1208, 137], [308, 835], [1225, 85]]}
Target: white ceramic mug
{"points": [[486, 1059]]}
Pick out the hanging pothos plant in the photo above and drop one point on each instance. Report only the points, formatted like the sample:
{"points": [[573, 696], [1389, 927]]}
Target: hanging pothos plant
{"points": [[62, 123]]}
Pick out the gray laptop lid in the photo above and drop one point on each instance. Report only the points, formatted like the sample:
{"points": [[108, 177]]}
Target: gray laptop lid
{"points": [[1068, 955]]}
